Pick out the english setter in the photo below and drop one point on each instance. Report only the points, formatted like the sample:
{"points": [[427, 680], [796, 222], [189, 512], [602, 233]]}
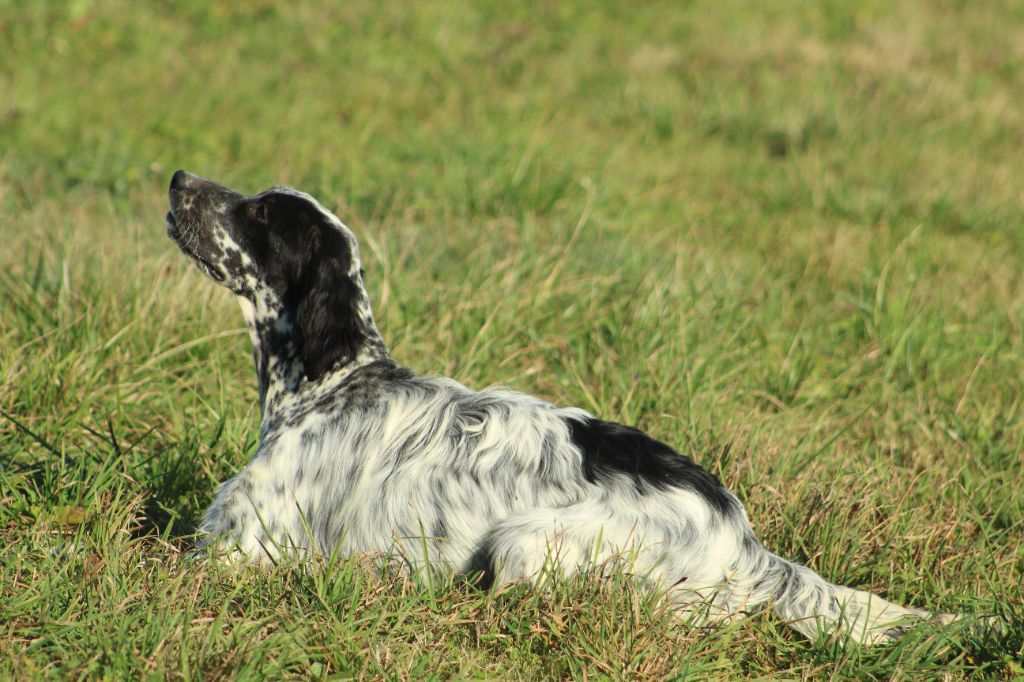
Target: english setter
{"points": [[359, 454]]}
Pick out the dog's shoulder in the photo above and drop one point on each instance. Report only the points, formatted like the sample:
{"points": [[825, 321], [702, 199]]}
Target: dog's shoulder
{"points": [[365, 389]]}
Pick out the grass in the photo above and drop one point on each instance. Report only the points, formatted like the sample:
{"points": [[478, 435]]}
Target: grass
{"points": [[785, 237]]}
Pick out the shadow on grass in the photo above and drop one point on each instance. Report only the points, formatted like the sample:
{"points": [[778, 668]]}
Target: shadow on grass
{"points": [[63, 476], [179, 484]]}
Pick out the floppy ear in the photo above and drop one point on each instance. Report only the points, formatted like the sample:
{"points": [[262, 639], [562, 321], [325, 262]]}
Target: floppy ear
{"points": [[329, 331]]}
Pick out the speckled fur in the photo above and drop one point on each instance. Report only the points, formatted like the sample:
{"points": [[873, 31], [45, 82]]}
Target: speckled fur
{"points": [[358, 454]]}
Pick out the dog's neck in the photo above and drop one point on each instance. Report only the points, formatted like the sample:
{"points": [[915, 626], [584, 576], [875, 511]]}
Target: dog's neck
{"points": [[278, 364], [280, 371]]}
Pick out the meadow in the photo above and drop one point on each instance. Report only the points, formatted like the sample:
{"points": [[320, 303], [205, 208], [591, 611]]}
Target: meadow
{"points": [[787, 238]]}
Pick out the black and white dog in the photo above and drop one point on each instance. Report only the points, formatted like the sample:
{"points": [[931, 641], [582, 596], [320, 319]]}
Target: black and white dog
{"points": [[359, 454]]}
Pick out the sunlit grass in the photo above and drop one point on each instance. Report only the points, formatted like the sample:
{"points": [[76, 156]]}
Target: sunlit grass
{"points": [[785, 238]]}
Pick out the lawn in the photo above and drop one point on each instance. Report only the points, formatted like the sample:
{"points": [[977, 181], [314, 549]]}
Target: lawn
{"points": [[787, 238]]}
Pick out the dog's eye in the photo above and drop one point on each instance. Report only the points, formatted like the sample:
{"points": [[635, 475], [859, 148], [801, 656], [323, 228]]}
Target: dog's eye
{"points": [[259, 212]]}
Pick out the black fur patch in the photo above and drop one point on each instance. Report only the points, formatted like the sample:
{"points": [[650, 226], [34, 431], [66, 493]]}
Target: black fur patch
{"points": [[480, 569], [328, 327], [611, 450]]}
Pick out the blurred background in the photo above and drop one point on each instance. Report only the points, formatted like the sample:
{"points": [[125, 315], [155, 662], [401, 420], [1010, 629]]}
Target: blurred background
{"points": [[785, 237]]}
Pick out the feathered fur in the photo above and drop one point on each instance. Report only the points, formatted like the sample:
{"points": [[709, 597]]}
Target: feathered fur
{"points": [[359, 454]]}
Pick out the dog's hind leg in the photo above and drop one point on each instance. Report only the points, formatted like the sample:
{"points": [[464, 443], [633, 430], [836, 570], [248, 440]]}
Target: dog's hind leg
{"points": [[657, 548], [536, 543], [712, 571]]}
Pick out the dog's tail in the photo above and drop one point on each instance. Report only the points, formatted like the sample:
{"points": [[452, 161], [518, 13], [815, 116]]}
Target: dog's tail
{"points": [[814, 606]]}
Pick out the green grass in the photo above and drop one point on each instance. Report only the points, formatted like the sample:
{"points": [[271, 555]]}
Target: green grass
{"points": [[786, 237]]}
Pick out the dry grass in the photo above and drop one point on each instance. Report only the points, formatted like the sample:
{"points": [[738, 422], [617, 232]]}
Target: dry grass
{"points": [[785, 238]]}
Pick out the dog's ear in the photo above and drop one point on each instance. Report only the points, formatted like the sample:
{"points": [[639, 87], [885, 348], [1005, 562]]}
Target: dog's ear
{"points": [[329, 329]]}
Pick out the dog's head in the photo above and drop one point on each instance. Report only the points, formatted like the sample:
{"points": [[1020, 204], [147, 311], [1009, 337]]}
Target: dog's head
{"points": [[284, 253]]}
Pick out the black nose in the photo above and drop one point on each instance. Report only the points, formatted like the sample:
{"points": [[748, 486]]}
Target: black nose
{"points": [[184, 180]]}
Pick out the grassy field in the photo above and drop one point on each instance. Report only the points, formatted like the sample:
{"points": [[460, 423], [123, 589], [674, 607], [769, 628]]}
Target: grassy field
{"points": [[786, 237]]}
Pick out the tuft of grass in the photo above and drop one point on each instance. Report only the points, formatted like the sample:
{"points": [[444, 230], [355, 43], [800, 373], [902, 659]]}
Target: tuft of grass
{"points": [[785, 238]]}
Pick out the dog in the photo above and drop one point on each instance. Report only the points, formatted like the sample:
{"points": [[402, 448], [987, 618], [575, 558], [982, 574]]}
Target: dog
{"points": [[358, 454]]}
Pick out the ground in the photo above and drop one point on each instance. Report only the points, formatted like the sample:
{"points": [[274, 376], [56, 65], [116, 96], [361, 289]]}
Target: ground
{"points": [[785, 237]]}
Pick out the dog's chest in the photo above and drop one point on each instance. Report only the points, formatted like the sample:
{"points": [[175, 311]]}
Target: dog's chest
{"points": [[294, 490]]}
